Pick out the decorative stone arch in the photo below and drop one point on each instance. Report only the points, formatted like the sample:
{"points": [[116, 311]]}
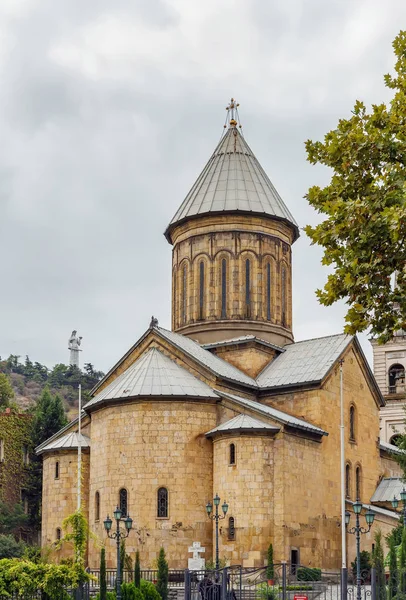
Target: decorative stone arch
{"points": [[269, 287], [250, 284], [285, 291], [396, 378], [223, 265], [183, 287], [199, 292]]}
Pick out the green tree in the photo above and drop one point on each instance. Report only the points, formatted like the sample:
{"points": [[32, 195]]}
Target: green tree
{"points": [[137, 570], [378, 562], [162, 583], [364, 229], [12, 517], [402, 563], [393, 568], [270, 571], [122, 558], [365, 562], [6, 391], [103, 582], [9, 548]]}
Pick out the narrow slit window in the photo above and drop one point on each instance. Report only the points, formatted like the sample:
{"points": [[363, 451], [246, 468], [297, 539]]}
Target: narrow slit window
{"points": [[57, 470], [123, 504], [162, 511], [358, 483], [184, 293], [1, 450], [283, 295], [352, 423], [347, 481], [231, 528], [223, 288], [248, 288], [268, 291], [58, 534], [201, 290], [232, 454], [26, 456], [97, 506]]}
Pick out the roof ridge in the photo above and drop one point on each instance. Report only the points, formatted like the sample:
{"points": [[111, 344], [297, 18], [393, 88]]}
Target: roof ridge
{"points": [[321, 337]]}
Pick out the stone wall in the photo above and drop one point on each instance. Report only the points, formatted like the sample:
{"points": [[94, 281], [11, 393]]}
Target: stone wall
{"points": [[144, 446]]}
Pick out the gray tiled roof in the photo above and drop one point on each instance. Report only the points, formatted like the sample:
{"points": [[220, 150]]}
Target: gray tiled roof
{"points": [[273, 413], [153, 374], [71, 440], [242, 422], [388, 488], [206, 358], [304, 362], [241, 340], [233, 180], [390, 447], [378, 510]]}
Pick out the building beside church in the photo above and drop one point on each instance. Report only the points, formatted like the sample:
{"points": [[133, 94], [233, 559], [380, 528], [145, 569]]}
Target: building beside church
{"points": [[226, 402]]}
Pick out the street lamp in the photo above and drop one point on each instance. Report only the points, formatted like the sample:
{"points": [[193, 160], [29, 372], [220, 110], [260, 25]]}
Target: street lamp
{"points": [[395, 503], [118, 535], [358, 530], [216, 517]]}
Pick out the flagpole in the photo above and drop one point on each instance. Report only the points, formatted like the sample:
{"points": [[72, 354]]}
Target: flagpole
{"points": [[80, 450], [343, 530]]}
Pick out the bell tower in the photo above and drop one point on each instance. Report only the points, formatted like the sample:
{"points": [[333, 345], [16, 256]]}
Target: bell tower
{"points": [[231, 260]]}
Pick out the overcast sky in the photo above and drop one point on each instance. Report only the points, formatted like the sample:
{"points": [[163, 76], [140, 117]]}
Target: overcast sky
{"points": [[108, 112]]}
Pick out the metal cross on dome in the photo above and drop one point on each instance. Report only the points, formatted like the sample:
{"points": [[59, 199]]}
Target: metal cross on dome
{"points": [[233, 112]]}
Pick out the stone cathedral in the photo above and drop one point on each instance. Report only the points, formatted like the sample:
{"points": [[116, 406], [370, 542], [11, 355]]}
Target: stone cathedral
{"points": [[225, 401]]}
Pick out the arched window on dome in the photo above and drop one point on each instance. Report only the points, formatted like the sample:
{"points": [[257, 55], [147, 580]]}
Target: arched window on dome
{"points": [[268, 291], [162, 503], [232, 454], [358, 482], [231, 528], [223, 288], [348, 481], [396, 376], [184, 295], [97, 506], [283, 294], [201, 290], [123, 502], [248, 288]]}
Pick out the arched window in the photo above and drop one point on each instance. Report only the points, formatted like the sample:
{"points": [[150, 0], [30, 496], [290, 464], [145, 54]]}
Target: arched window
{"points": [[347, 481], [283, 294], [97, 506], [184, 294], [352, 423], [396, 379], [162, 504], [358, 482], [396, 439], [57, 469], [232, 454], [58, 534], [247, 288], [268, 291], [231, 528], [123, 502], [201, 290], [223, 288]]}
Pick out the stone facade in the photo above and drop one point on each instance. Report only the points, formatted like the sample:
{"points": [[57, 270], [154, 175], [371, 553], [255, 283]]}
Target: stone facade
{"points": [[210, 301]]}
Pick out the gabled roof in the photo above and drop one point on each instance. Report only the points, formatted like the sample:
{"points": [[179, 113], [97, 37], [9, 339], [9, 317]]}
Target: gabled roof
{"points": [[273, 413], [153, 374], [391, 448], [304, 362], [388, 488], [207, 359], [233, 181], [242, 340], [71, 440], [56, 435], [243, 423]]}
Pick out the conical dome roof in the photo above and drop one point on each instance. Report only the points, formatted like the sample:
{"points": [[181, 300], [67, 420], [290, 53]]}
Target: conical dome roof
{"points": [[233, 181]]}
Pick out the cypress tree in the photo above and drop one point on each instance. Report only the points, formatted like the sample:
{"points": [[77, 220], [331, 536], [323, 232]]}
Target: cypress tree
{"points": [[103, 582], [393, 569], [270, 571], [122, 559], [379, 564], [162, 583], [402, 563], [137, 570]]}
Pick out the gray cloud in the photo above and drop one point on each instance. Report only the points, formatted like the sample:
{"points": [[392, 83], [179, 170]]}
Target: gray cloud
{"points": [[108, 112]]}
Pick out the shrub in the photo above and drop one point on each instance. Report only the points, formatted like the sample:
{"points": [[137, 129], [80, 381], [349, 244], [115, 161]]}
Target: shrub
{"points": [[9, 548], [270, 571], [130, 592], [308, 574], [149, 591], [266, 592]]}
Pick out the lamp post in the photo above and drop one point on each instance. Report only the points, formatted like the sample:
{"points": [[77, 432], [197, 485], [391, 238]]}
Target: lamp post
{"points": [[395, 503], [358, 530], [118, 535], [217, 517]]}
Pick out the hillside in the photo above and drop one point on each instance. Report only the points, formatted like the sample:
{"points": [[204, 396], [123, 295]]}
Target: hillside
{"points": [[28, 379]]}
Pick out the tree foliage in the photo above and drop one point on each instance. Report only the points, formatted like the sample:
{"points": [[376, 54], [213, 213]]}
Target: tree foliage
{"points": [[103, 582], [378, 562], [137, 570], [9, 547], [364, 230], [162, 583], [6, 391], [393, 568], [270, 570], [12, 517]]}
